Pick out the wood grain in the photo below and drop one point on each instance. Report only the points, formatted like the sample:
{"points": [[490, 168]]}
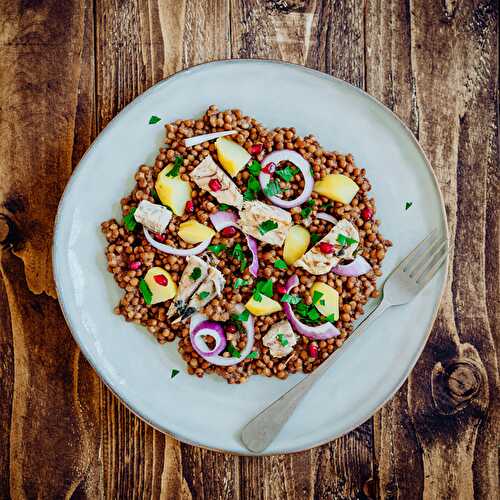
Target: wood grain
{"points": [[68, 67]]}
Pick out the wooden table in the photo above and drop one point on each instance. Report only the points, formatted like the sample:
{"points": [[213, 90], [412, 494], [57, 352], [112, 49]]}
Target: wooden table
{"points": [[67, 67]]}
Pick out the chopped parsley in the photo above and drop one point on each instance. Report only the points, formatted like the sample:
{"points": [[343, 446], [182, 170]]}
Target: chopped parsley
{"points": [[255, 167], [291, 299], [272, 189], [174, 373], [243, 316], [253, 184], [146, 292], [216, 249], [223, 207], [345, 240], [253, 355], [263, 287], [322, 302], [129, 220], [315, 237], [408, 205], [249, 195], [302, 309], [195, 274], [155, 196], [316, 296], [287, 173], [240, 282], [326, 205], [174, 171], [267, 225], [280, 264], [305, 212], [313, 314], [331, 318], [238, 254], [233, 351], [282, 339], [203, 295], [154, 119]]}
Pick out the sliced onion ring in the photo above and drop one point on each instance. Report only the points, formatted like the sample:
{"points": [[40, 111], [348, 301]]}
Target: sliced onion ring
{"points": [[327, 217], [357, 267], [213, 329], [199, 139], [217, 359], [182, 252], [300, 162], [220, 220], [321, 332]]}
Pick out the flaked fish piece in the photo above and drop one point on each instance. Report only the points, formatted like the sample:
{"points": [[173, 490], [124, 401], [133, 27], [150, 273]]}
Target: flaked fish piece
{"points": [[210, 288], [256, 215], [208, 171], [316, 262], [190, 280], [152, 216], [279, 334]]}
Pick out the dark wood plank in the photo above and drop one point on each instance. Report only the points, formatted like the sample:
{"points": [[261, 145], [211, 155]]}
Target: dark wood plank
{"points": [[436, 66]]}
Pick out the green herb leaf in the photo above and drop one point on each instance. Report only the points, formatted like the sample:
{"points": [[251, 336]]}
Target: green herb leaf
{"points": [[243, 316], [146, 292], [216, 249], [312, 171], [257, 296], [223, 207], [203, 295], [129, 220], [408, 205], [253, 184], [265, 287], [287, 173], [174, 171], [313, 314], [345, 240], [255, 167], [305, 212], [280, 264], [154, 119], [174, 373], [282, 339], [249, 195], [326, 205], [316, 296], [195, 274], [155, 196], [240, 282], [253, 355], [233, 351], [244, 264], [237, 251], [331, 318], [302, 309], [291, 299], [267, 225], [272, 189], [322, 302], [315, 237]]}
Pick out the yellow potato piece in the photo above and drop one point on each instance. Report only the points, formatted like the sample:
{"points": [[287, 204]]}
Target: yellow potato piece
{"points": [[337, 187], [160, 292], [330, 298], [173, 191], [231, 155], [264, 307], [194, 232], [296, 243]]}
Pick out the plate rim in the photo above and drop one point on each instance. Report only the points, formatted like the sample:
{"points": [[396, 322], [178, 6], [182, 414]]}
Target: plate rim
{"points": [[74, 174]]}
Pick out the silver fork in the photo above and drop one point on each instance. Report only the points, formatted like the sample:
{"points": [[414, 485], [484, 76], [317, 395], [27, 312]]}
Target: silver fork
{"points": [[402, 285]]}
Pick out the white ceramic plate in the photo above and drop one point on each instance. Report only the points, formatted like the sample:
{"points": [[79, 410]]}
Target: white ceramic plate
{"points": [[209, 412]]}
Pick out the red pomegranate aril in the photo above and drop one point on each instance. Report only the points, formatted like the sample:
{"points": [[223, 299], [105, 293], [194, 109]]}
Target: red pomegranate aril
{"points": [[160, 279], [159, 237], [134, 265], [215, 185], [367, 214], [189, 206], [326, 248], [269, 168], [281, 289], [313, 350], [231, 329], [256, 149], [227, 232]]}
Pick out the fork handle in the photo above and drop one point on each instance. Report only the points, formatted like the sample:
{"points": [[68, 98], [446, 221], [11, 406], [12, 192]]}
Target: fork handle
{"points": [[259, 433]]}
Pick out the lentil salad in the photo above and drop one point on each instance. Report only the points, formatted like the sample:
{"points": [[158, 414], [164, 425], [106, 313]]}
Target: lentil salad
{"points": [[271, 238]]}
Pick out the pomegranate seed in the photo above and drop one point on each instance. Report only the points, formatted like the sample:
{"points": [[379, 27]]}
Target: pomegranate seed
{"points": [[215, 185], [227, 232], [159, 237], [134, 265], [367, 213], [313, 350], [269, 168], [281, 289], [230, 329], [189, 206], [161, 280], [256, 149], [326, 248]]}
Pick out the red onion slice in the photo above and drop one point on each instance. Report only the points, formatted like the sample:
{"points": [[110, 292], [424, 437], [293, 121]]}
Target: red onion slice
{"points": [[199, 139], [302, 164], [327, 217], [221, 220], [321, 332], [213, 329], [182, 252], [357, 267]]}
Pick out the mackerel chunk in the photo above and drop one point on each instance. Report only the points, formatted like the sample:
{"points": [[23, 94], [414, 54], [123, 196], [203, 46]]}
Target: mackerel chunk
{"points": [[279, 334], [316, 262], [153, 217], [208, 170], [255, 213]]}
